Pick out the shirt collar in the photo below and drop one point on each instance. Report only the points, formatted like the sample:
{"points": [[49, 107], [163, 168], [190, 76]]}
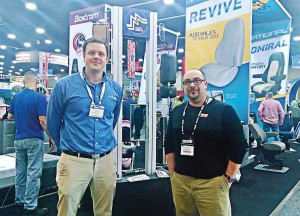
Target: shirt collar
{"points": [[104, 77]]}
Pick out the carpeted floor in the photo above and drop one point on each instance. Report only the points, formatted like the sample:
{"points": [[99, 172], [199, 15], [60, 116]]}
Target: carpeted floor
{"points": [[259, 192]]}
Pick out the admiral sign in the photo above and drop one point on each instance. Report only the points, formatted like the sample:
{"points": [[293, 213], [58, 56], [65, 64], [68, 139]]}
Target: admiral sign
{"points": [[136, 23]]}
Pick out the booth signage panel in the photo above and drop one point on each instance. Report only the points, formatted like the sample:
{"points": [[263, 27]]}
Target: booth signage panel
{"points": [[269, 52], [27, 57], [212, 26], [136, 23]]}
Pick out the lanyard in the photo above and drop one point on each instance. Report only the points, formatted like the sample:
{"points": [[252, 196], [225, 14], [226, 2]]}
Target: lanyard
{"points": [[90, 93], [207, 100]]}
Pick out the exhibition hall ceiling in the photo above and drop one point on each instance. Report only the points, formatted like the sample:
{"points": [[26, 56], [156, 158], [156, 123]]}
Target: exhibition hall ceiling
{"points": [[53, 17]]}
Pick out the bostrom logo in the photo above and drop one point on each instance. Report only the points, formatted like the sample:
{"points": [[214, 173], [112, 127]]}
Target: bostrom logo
{"points": [[136, 22], [78, 42], [85, 17]]}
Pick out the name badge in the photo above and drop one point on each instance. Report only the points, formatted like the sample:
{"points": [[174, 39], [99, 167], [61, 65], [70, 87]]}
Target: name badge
{"points": [[187, 150], [96, 111]]}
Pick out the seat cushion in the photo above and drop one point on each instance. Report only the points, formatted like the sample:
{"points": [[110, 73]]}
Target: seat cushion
{"points": [[274, 146], [260, 88]]}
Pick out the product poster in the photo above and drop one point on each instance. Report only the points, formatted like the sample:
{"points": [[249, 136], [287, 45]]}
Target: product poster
{"points": [[218, 42], [269, 52]]}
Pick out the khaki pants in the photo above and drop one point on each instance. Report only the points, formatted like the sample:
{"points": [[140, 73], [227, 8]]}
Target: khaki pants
{"points": [[73, 177], [205, 197]]}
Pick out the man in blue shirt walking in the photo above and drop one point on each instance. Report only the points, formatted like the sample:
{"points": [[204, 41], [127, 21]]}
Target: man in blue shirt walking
{"points": [[82, 112], [28, 108]]}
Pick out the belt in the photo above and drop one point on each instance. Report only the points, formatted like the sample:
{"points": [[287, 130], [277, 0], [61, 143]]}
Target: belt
{"points": [[91, 156]]}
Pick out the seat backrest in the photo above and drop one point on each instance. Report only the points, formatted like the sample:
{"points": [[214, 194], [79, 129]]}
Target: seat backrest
{"points": [[253, 116], [230, 50], [258, 134], [275, 67]]}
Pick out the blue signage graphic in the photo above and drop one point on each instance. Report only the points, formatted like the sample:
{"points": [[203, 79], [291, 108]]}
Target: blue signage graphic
{"points": [[136, 23]]}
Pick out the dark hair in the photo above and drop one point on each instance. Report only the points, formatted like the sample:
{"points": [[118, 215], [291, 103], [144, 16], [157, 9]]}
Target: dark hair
{"points": [[269, 95], [94, 40]]}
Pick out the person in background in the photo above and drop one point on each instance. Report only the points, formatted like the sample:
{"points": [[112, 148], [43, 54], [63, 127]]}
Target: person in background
{"points": [[204, 147], [127, 101], [294, 103], [271, 113], [82, 113], [177, 101], [126, 104], [28, 109], [3, 109]]}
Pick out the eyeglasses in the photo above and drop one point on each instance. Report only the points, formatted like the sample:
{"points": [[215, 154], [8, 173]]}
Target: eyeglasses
{"points": [[196, 81]]}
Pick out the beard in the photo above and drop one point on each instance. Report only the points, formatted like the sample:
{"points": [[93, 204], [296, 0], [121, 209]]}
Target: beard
{"points": [[194, 95]]}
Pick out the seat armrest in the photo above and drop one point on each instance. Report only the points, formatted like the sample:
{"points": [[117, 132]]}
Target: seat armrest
{"points": [[271, 134], [257, 75]]}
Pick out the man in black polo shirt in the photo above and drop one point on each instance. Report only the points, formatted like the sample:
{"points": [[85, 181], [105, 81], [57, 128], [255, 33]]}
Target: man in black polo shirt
{"points": [[204, 147]]}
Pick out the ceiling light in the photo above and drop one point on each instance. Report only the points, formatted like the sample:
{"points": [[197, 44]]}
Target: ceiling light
{"points": [[179, 68], [10, 71], [12, 66], [57, 50], [140, 60], [21, 70], [62, 70], [26, 44], [30, 6], [1, 71], [2, 56], [32, 69], [180, 50], [297, 38], [14, 61], [11, 36], [123, 56], [48, 41], [1, 68], [1, 63], [2, 47], [40, 30], [179, 61], [168, 1], [55, 78], [18, 73]]}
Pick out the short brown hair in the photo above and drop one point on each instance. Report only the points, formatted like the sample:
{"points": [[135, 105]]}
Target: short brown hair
{"points": [[94, 40]]}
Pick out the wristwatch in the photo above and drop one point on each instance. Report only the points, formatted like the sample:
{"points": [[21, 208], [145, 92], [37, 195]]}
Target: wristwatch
{"points": [[229, 179]]}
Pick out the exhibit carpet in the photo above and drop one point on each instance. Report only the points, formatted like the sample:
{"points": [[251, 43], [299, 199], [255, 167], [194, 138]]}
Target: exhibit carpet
{"points": [[260, 192]]}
